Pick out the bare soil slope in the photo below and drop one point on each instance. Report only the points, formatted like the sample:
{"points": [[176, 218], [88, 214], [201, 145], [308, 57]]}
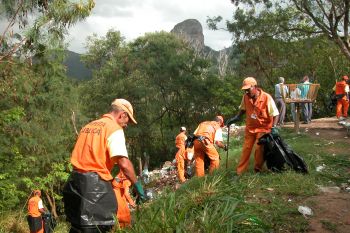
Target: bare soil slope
{"points": [[331, 210]]}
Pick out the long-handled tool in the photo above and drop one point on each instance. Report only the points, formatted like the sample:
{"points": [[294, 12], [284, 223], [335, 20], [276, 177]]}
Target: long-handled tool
{"points": [[228, 143]]}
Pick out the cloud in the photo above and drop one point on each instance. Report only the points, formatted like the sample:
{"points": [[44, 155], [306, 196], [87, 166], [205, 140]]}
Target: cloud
{"points": [[134, 18], [112, 8]]}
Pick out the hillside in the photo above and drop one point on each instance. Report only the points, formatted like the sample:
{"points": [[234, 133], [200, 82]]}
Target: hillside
{"points": [[76, 68]]}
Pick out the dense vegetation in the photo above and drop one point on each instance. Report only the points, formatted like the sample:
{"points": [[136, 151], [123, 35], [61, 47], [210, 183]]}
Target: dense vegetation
{"points": [[169, 84]]}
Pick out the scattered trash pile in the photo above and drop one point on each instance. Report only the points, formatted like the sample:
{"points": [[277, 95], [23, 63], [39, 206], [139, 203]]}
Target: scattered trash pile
{"points": [[155, 181], [234, 131]]}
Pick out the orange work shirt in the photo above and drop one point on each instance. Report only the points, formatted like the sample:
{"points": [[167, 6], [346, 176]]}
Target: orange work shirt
{"points": [[33, 206], [92, 151], [207, 129], [340, 87], [260, 113], [180, 140]]}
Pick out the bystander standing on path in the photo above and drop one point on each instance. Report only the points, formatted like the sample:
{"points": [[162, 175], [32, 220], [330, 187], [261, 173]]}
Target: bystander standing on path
{"points": [[281, 91], [305, 107]]}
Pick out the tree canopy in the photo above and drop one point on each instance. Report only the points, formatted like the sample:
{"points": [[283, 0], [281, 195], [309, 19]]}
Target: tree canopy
{"points": [[161, 75], [290, 20], [35, 25]]}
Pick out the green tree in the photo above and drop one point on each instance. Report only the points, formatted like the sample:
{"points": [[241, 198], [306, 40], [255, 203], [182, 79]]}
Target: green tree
{"points": [[42, 24], [290, 20], [160, 74], [290, 39], [37, 101], [267, 59], [36, 104]]}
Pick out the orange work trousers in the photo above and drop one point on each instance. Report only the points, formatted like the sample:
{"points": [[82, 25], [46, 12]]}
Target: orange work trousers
{"points": [[201, 150], [249, 140], [342, 107], [180, 160], [123, 212]]}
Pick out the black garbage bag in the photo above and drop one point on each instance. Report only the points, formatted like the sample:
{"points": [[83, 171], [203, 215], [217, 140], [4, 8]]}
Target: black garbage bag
{"points": [[49, 222], [189, 141], [279, 156], [89, 201], [206, 162]]}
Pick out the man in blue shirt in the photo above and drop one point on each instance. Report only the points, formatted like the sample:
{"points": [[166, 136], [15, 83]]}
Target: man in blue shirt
{"points": [[306, 107]]}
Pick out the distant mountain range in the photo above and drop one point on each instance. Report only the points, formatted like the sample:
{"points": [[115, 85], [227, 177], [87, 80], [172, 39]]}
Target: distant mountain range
{"points": [[76, 69], [190, 30]]}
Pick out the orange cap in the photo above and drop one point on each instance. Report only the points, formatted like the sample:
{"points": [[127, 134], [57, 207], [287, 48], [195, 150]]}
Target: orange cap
{"points": [[345, 77], [37, 192], [248, 83], [221, 119], [126, 106]]}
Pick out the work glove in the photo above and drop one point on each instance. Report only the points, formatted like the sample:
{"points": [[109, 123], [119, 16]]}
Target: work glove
{"points": [[232, 120], [141, 197], [225, 147], [274, 132]]}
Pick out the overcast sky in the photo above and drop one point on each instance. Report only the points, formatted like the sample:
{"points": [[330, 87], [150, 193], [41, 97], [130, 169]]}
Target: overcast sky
{"points": [[133, 18]]}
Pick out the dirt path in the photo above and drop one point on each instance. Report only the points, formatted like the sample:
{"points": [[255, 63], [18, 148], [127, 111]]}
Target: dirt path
{"points": [[331, 209], [331, 213], [327, 128]]}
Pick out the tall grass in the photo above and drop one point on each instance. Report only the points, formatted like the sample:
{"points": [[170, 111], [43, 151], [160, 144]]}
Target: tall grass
{"points": [[266, 202], [225, 202]]}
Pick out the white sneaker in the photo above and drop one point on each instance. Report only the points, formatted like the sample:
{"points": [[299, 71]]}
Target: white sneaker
{"points": [[341, 118]]}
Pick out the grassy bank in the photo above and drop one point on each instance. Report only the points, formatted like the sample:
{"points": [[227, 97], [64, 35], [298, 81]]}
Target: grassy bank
{"points": [[266, 202], [224, 202]]}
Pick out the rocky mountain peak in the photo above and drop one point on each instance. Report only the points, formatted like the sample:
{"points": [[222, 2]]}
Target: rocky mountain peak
{"points": [[192, 31]]}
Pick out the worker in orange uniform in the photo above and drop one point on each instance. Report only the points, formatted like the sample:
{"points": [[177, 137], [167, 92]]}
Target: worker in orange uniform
{"points": [[208, 134], [341, 89], [35, 209], [89, 198], [261, 118], [124, 200], [181, 153]]}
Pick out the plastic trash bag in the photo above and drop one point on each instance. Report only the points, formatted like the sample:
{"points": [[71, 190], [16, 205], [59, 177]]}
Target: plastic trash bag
{"points": [[279, 156], [304, 210]]}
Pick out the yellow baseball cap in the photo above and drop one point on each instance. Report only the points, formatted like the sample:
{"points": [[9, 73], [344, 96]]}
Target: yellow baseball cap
{"points": [[248, 83], [126, 106]]}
